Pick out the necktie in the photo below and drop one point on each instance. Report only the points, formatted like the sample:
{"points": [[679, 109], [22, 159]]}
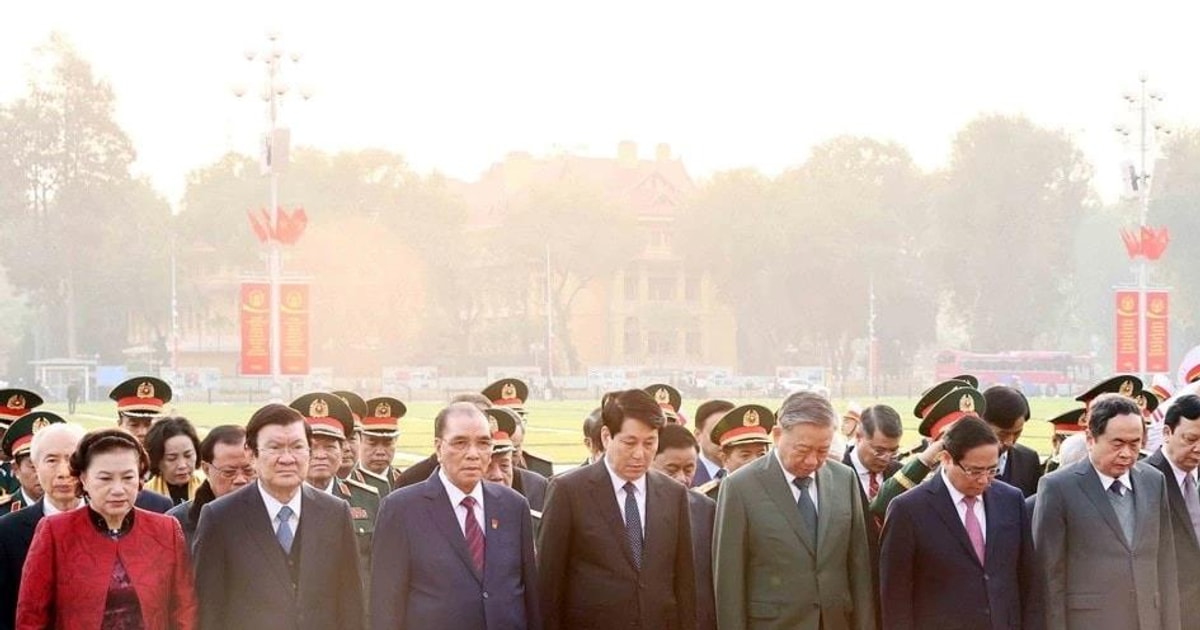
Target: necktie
{"points": [[808, 511], [284, 532], [974, 531], [633, 524], [720, 473], [873, 486], [1116, 488], [475, 542], [1192, 501]]}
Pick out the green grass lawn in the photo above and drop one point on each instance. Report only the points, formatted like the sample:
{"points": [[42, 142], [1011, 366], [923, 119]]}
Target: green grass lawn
{"points": [[554, 427]]}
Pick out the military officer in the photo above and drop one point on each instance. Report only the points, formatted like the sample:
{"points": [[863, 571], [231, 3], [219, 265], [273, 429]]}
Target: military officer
{"points": [[744, 435], [958, 399], [512, 393], [504, 423], [668, 398], [358, 409], [332, 421], [15, 445], [140, 400], [377, 448], [14, 403], [1065, 424]]}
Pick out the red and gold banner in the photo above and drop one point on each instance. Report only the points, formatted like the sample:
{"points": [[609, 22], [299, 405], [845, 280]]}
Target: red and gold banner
{"points": [[254, 307], [1127, 332], [293, 323], [1157, 324]]}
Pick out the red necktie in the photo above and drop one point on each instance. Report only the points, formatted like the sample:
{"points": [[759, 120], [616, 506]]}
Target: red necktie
{"points": [[474, 534], [873, 486]]}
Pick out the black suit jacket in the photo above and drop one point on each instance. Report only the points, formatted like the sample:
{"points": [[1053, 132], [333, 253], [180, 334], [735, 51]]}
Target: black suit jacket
{"points": [[874, 524], [586, 569], [1023, 469], [703, 513], [16, 534], [931, 577], [1187, 549], [153, 502], [532, 486], [424, 576], [243, 578], [417, 473]]}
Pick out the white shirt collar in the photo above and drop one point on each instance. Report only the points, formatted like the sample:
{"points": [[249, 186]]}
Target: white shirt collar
{"points": [[619, 484], [859, 466], [457, 495], [273, 504], [1179, 474], [709, 465], [27, 499], [956, 497], [1106, 481], [786, 475], [48, 508]]}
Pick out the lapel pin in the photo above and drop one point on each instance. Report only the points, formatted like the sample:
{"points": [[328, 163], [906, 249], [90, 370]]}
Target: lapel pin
{"points": [[495, 523]]}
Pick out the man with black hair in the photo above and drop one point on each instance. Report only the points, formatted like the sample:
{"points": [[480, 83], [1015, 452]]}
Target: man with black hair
{"points": [[227, 467], [959, 547], [1102, 529], [1177, 459], [676, 458], [1007, 411], [591, 437], [710, 466], [873, 455]]}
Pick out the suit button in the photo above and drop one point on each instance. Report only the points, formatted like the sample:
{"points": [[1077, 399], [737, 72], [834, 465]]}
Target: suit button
{"points": [[485, 595]]}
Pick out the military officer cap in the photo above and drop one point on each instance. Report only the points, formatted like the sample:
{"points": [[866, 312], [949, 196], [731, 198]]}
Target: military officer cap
{"points": [[668, 398], [969, 379], [508, 392], [958, 403], [383, 417], [1072, 421], [358, 406], [747, 424], [327, 414], [141, 396], [503, 424], [15, 403], [20, 435], [1189, 367], [1146, 401], [1126, 385], [935, 393], [1162, 388]]}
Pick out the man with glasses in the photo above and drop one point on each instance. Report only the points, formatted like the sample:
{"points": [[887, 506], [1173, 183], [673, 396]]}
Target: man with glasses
{"points": [[278, 553], [873, 455], [959, 547], [455, 551], [1177, 459], [1102, 529], [227, 467]]}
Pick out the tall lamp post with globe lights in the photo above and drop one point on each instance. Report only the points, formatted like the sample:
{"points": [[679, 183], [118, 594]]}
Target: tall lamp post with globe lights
{"points": [[273, 90]]}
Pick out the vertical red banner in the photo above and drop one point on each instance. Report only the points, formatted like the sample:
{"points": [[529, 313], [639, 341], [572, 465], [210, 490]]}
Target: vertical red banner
{"points": [[1157, 325], [1127, 332], [293, 324], [254, 308]]}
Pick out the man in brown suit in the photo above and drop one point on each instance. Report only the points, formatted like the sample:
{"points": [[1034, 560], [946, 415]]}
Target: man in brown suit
{"points": [[614, 549]]}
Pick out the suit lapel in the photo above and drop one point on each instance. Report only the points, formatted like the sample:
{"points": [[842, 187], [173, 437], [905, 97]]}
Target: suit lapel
{"points": [[1174, 492], [442, 515], [827, 499], [1142, 511], [657, 532], [312, 526], [496, 536], [996, 527], [770, 475], [1089, 481], [258, 528], [943, 505], [605, 501]]}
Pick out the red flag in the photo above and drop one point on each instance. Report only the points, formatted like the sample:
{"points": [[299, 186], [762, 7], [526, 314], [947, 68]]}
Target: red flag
{"points": [[259, 230], [1132, 245]]}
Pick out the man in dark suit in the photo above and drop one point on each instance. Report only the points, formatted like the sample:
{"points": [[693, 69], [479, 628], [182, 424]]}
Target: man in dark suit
{"points": [[50, 450], [502, 468], [1177, 460], [227, 467], [615, 545], [454, 551], [1102, 529], [710, 465], [676, 458], [278, 553], [876, 443], [1006, 411], [421, 470], [957, 550]]}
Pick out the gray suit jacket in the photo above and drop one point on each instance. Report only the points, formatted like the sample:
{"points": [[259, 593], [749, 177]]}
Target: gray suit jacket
{"points": [[702, 512], [1187, 549], [1093, 579], [770, 574]]}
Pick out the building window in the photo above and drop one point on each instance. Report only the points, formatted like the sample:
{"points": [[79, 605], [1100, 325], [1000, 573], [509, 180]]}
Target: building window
{"points": [[661, 289], [631, 286]]}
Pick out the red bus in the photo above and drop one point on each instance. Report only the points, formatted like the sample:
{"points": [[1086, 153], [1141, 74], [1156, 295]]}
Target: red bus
{"points": [[1034, 372]]}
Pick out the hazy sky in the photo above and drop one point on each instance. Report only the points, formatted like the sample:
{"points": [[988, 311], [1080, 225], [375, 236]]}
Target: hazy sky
{"points": [[455, 85]]}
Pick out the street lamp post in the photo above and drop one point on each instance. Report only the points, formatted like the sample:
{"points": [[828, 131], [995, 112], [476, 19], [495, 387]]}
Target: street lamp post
{"points": [[275, 156], [1142, 104]]}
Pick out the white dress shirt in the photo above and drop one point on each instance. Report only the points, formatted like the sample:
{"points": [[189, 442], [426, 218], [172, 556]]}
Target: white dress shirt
{"points": [[1179, 474], [1002, 465], [460, 510], [273, 507], [864, 475], [712, 467], [48, 508], [812, 487], [639, 494], [960, 506], [1106, 482]]}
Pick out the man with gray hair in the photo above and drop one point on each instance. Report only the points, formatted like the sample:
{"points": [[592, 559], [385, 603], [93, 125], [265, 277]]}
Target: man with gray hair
{"points": [[790, 548]]}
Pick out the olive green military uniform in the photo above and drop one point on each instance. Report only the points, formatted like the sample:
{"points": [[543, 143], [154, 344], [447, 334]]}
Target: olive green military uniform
{"points": [[364, 507]]}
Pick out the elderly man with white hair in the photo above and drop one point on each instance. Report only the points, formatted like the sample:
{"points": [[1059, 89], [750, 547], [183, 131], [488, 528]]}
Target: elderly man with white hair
{"points": [[50, 447]]}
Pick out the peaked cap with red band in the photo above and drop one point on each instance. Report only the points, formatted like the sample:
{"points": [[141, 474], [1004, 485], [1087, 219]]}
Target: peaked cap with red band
{"points": [[358, 406], [930, 396], [15, 403], [508, 392], [1072, 421], [20, 435], [503, 424], [144, 396], [383, 416], [958, 403], [747, 424], [327, 414], [668, 398]]}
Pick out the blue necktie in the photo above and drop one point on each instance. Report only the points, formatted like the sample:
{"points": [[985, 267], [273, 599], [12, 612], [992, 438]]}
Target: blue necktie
{"points": [[633, 524], [808, 511], [284, 533]]}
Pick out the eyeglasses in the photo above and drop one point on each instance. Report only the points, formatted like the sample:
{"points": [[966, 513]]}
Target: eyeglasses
{"points": [[978, 473], [462, 445], [297, 450], [229, 474], [884, 453]]}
